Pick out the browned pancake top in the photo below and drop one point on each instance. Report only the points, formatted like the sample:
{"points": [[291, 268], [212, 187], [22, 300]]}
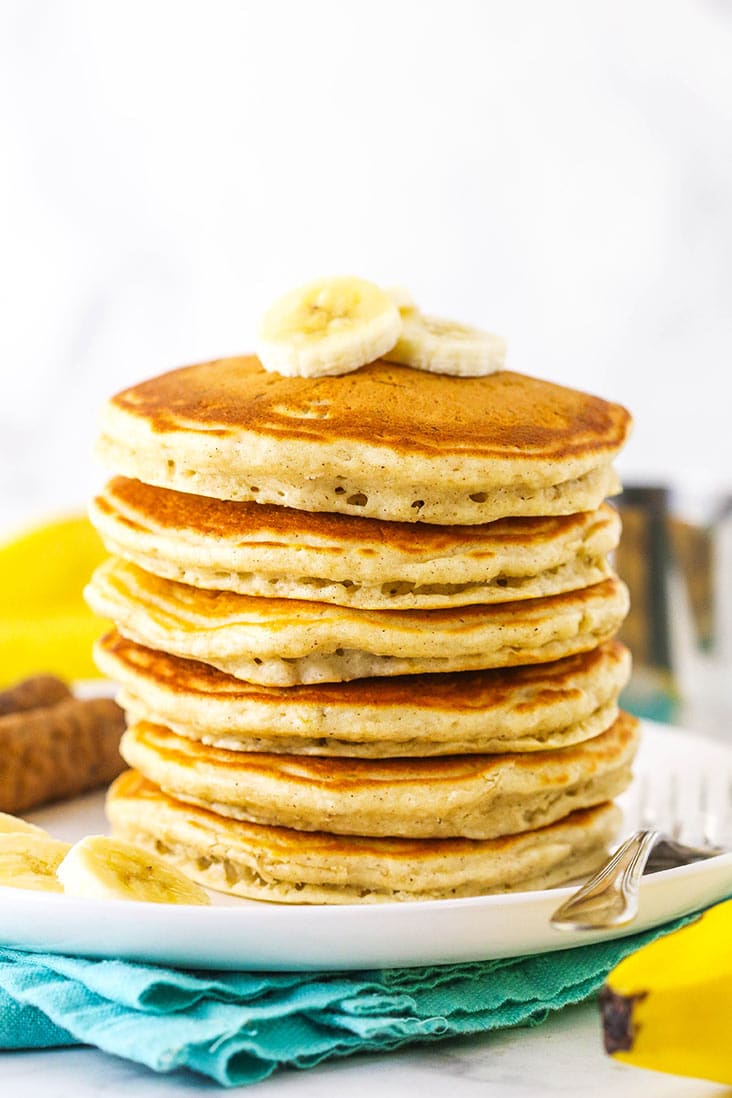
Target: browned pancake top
{"points": [[343, 774], [195, 609], [460, 691], [143, 506], [284, 841], [502, 415]]}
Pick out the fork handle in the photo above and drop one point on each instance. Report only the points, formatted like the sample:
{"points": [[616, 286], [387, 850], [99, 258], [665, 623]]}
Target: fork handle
{"points": [[610, 898]]}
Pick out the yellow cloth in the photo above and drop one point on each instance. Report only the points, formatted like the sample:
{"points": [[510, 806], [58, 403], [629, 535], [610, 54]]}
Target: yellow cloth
{"points": [[45, 625]]}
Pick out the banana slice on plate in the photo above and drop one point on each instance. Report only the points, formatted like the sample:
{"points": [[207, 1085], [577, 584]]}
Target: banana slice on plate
{"points": [[446, 347], [12, 824], [98, 868], [29, 859], [328, 327]]}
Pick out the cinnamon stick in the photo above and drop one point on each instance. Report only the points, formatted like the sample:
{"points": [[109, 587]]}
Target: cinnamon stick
{"points": [[34, 693], [47, 754]]}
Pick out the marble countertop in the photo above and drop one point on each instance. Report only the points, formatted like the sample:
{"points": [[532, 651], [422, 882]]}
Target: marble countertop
{"points": [[563, 1056]]}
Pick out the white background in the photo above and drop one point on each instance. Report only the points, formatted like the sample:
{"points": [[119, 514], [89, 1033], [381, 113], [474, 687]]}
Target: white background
{"points": [[558, 172]]}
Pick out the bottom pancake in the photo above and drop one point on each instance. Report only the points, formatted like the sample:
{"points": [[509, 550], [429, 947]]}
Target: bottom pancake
{"points": [[278, 864]]}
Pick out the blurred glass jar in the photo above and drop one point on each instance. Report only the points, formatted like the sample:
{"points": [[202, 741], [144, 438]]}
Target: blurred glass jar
{"points": [[676, 557]]}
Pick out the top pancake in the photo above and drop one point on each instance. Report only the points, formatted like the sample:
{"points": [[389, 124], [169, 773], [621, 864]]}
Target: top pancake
{"points": [[385, 441]]}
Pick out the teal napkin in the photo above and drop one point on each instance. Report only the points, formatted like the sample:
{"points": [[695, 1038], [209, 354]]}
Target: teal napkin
{"points": [[238, 1028]]}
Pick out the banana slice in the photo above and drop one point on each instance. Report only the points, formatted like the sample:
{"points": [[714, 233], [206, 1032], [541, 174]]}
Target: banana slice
{"points": [[12, 824], [98, 868], [402, 298], [30, 860], [331, 326], [445, 347]]}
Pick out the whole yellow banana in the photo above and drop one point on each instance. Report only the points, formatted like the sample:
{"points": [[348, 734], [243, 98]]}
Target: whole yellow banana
{"points": [[668, 1007], [44, 622]]}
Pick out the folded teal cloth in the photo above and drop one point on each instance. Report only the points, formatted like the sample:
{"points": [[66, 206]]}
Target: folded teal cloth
{"points": [[238, 1028]]}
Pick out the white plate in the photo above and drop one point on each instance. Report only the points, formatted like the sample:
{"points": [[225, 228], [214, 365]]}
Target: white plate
{"points": [[241, 934]]}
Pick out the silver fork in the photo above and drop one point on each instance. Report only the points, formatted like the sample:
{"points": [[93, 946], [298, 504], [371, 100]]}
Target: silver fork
{"points": [[610, 898]]}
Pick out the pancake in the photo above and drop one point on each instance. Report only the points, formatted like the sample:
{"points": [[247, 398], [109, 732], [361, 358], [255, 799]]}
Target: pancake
{"points": [[383, 442], [512, 709], [257, 549], [279, 864], [282, 642], [468, 796]]}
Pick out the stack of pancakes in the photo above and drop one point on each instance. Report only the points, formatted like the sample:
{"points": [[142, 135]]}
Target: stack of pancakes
{"points": [[364, 629]]}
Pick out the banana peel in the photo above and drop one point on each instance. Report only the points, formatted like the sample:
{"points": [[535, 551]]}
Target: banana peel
{"points": [[45, 625], [668, 1007]]}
